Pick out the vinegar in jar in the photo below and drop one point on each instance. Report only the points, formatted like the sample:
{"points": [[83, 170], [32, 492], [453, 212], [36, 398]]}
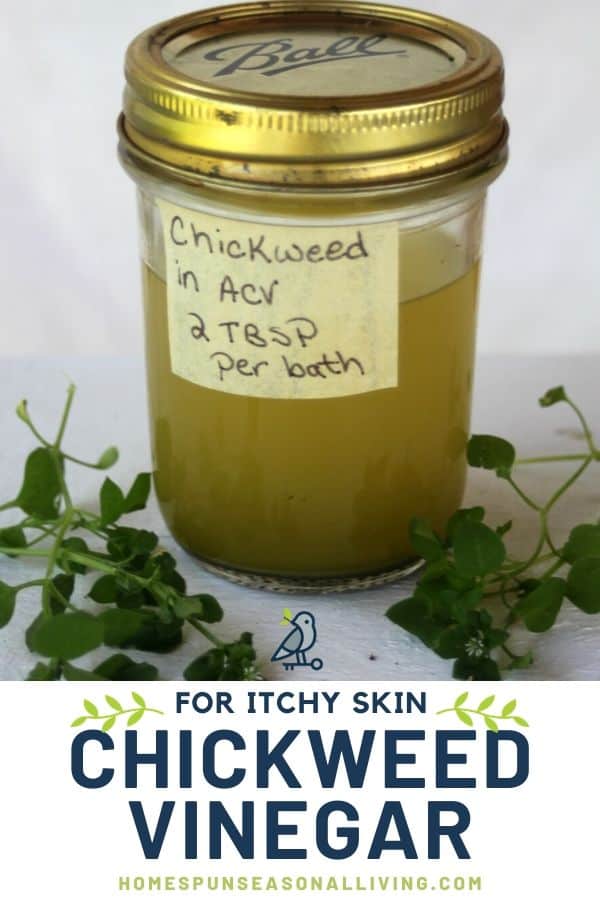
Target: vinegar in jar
{"points": [[320, 487]]}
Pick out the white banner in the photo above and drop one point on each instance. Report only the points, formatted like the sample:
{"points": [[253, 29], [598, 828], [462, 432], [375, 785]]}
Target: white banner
{"points": [[179, 788]]}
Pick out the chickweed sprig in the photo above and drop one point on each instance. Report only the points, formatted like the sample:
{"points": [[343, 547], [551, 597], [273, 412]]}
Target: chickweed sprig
{"points": [[468, 569], [141, 597]]}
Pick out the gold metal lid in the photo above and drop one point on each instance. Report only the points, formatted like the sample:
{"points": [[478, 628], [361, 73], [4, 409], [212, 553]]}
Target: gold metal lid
{"points": [[313, 93]]}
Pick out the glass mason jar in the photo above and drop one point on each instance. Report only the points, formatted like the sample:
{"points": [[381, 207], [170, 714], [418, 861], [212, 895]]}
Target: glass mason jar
{"points": [[311, 183]]}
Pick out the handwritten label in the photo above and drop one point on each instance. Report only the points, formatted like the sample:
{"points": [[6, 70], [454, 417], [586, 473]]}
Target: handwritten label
{"points": [[281, 311]]}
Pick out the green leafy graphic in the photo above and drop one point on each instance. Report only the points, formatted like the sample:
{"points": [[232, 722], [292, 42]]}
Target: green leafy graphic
{"points": [[141, 599], [472, 593], [483, 710], [116, 711]]}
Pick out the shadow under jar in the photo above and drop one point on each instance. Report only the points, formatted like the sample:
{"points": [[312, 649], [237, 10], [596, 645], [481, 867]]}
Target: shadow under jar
{"points": [[311, 184]]}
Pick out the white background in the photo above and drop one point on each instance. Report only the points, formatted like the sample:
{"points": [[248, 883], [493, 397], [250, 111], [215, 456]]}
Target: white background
{"points": [[68, 248]]}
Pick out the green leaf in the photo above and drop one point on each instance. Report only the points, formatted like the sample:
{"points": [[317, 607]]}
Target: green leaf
{"points": [[135, 717], [462, 698], [108, 723], [485, 704], [520, 721], [121, 625], [459, 582], [452, 641], [133, 600], [552, 396], [139, 492], [164, 566], [58, 602], [521, 662], [465, 602], [472, 514], [137, 698], [112, 502], [64, 585], [240, 657], [157, 636], [477, 549], [186, 607], [73, 673], [108, 458], [424, 540], [464, 717], [527, 585], [231, 662], [198, 606], [113, 702], [41, 488], [78, 721], [21, 411], [32, 630], [411, 614], [8, 597], [13, 536], [211, 608], [120, 667], [485, 451], [105, 589], [540, 607], [125, 543], [496, 637], [209, 666], [436, 571], [90, 707], [503, 529], [67, 636], [75, 545], [491, 723], [509, 708], [583, 584], [43, 672], [476, 669], [584, 541]]}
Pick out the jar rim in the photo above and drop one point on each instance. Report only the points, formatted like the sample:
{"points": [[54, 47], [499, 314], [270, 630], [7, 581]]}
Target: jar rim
{"points": [[427, 112]]}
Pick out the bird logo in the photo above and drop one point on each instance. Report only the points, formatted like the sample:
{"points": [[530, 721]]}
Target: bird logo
{"points": [[300, 637]]}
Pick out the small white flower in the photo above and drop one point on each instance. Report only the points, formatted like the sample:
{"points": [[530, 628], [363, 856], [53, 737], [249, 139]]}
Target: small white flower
{"points": [[475, 646], [252, 673]]}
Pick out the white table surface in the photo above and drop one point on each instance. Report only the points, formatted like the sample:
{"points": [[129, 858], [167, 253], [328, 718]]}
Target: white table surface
{"points": [[356, 641]]}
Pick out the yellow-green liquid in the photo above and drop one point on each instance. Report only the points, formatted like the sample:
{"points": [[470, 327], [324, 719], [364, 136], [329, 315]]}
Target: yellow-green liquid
{"points": [[325, 487]]}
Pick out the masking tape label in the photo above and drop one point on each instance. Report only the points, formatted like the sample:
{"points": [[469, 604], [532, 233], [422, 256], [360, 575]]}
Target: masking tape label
{"points": [[288, 312]]}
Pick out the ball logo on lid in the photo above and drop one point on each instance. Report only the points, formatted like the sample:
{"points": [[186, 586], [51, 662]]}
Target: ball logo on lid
{"points": [[274, 57]]}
